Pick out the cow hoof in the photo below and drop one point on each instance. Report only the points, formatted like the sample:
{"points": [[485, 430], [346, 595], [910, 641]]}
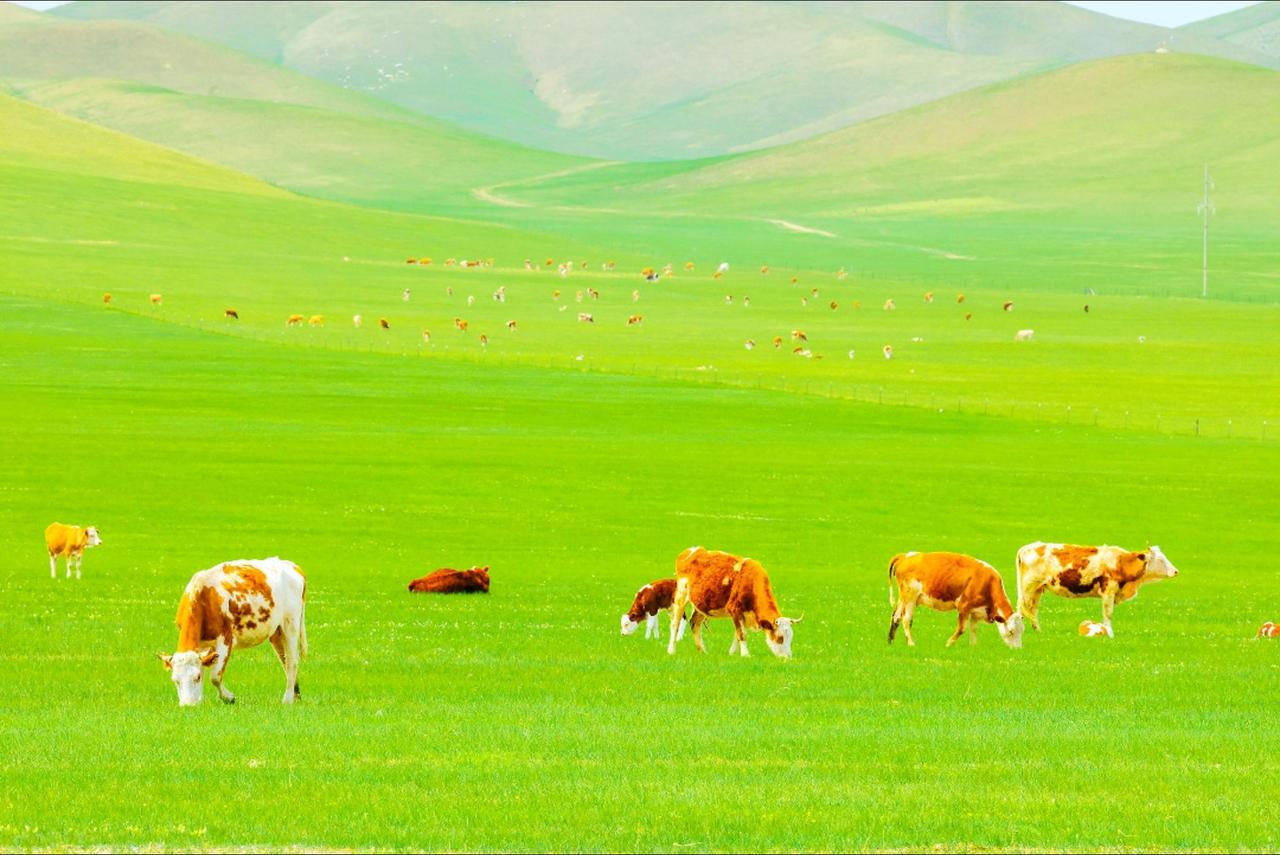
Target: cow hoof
{"points": [[230, 700]]}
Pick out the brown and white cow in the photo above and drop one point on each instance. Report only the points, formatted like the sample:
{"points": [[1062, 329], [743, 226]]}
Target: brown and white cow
{"points": [[69, 542], [449, 581], [238, 604], [1111, 573], [719, 584], [946, 581], [657, 596]]}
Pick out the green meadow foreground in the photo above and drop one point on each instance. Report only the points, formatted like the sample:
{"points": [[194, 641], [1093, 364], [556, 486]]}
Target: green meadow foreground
{"points": [[522, 720]]}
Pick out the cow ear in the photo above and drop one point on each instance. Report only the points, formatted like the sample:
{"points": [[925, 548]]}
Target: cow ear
{"points": [[208, 657], [766, 625], [167, 660]]}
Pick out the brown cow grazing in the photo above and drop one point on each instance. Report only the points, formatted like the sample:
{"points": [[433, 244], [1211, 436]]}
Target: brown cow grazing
{"points": [[423, 261], [156, 299], [450, 581], [764, 269], [511, 325], [586, 318], [794, 280], [1093, 629], [1268, 630], [889, 305], [655, 597], [484, 340], [426, 336], [928, 296], [294, 321], [106, 298], [69, 542], [316, 320], [946, 581], [834, 305], [723, 585], [688, 265], [777, 342], [959, 298], [1086, 308], [232, 313], [749, 344], [1110, 573], [384, 323], [1007, 305], [461, 324], [798, 335], [968, 316], [411, 261], [635, 320]]}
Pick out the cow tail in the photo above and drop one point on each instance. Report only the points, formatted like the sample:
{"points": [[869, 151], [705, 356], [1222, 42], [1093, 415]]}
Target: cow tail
{"points": [[893, 576], [302, 622]]}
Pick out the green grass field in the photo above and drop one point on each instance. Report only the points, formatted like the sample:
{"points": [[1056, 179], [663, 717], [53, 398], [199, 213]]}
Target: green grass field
{"points": [[521, 720]]}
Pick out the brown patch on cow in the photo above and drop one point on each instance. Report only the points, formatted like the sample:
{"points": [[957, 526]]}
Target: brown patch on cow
{"points": [[449, 581], [1040, 550], [1071, 581], [721, 583], [247, 580], [200, 619], [651, 599], [1075, 557]]}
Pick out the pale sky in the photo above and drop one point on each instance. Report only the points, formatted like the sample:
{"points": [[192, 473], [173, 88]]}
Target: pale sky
{"points": [[1171, 13]]}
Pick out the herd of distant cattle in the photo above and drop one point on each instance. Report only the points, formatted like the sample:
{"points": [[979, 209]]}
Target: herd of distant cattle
{"points": [[242, 603]]}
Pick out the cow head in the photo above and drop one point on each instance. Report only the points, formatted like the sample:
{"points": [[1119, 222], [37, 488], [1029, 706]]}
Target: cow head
{"points": [[628, 625], [1155, 565], [91, 536], [1011, 630], [187, 671], [778, 635]]}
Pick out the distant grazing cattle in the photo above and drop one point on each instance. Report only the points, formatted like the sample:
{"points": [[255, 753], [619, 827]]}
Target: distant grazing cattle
{"points": [[511, 325], [449, 291], [316, 320], [550, 261], [608, 266], [688, 265], [889, 305], [500, 296], [424, 261], [555, 295], [1007, 305], [716, 275], [777, 341], [461, 324], [749, 344], [156, 299], [813, 293], [946, 581], [106, 298], [593, 293], [887, 350], [794, 280], [1024, 335], [1086, 308], [723, 268], [484, 340], [528, 265], [586, 318], [841, 273], [764, 269], [406, 295], [959, 298], [746, 302], [798, 335], [968, 316], [802, 351], [657, 596], [1269, 630], [857, 304], [471, 263], [722, 585], [928, 296], [804, 301], [450, 581], [357, 320], [426, 336], [450, 262], [294, 321], [649, 273], [1111, 573], [471, 299], [1142, 339], [564, 271], [411, 261], [68, 542], [632, 321], [666, 269], [238, 604], [834, 305], [577, 296], [917, 339], [1093, 629], [851, 354], [728, 298], [384, 323], [231, 313]]}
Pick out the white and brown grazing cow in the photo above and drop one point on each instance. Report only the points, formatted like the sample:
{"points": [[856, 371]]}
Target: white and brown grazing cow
{"points": [[69, 542], [657, 596], [1111, 573], [1268, 630], [946, 581], [238, 604], [723, 585]]}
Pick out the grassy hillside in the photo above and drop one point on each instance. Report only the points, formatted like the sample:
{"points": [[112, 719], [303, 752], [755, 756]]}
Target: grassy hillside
{"points": [[653, 80], [1254, 27], [276, 124]]}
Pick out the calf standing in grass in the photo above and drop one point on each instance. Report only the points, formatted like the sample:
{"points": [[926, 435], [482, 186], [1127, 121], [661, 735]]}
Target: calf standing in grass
{"points": [[946, 581], [723, 585], [69, 542], [655, 597]]}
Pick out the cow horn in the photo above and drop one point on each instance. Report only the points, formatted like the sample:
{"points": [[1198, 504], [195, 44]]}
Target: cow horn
{"points": [[796, 620]]}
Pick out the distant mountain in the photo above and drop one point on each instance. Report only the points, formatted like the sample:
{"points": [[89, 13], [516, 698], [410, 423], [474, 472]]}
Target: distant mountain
{"points": [[662, 80], [1254, 27]]}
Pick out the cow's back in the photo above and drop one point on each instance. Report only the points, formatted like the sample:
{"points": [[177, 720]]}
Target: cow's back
{"points": [[62, 539], [715, 579]]}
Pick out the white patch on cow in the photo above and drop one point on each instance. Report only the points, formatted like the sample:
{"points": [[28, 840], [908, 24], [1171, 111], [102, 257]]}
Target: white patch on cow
{"points": [[783, 628], [1011, 631], [188, 676], [651, 626], [629, 626]]}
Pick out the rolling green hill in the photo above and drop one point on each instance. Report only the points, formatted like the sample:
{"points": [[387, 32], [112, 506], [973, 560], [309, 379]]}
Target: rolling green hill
{"points": [[1254, 27], [643, 81]]}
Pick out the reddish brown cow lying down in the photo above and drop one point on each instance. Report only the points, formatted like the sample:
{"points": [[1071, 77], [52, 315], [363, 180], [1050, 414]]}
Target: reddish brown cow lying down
{"points": [[450, 581]]}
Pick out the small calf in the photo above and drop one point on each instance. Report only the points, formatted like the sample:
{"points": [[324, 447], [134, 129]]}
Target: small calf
{"points": [[232, 313], [450, 581], [1269, 630], [655, 597], [384, 323], [1093, 629]]}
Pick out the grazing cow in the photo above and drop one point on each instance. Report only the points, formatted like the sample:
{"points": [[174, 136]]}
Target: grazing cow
{"points": [[238, 604], [528, 265], [917, 339], [634, 320], [106, 298], [857, 304], [555, 295], [968, 316], [69, 542], [728, 298], [794, 280], [928, 296], [635, 296], [723, 268], [411, 261], [232, 313], [1086, 308], [1007, 305], [577, 297], [406, 295], [484, 340], [750, 344], [841, 273], [688, 265], [450, 581], [834, 305], [889, 305], [382, 322], [814, 293], [316, 320], [294, 321], [608, 266], [357, 320], [666, 269], [471, 299], [723, 585], [449, 291], [500, 296], [564, 271], [1024, 335], [450, 262], [798, 335], [511, 325], [765, 269], [887, 350], [461, 324], [851, 354], [586, 318], [959, 298], [801, 351], [1142, 339], [550, 261], [593, 293], [1108, 572], [746, 302], [804, 301], [1268, 630], [424, 261], [655, 597], [156, 299], [777, 341], [946, 581], [1093, 629], [426, 336]]}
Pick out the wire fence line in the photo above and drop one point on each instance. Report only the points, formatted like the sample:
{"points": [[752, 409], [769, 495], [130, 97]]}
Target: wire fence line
{"points": [[1208, 425]]}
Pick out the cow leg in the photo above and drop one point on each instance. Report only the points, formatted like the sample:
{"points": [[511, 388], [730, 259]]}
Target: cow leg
{"points": [[277, 643], [895, 620], [740, 634], [908, 614], [683, 625], [1030, 607], [696, 622], [79, 560], [68, 566], [955, 636], [677, 609], [1108, 603], [973, 632], [218, 668], [53, 567], [651, 625], [291, 690]]}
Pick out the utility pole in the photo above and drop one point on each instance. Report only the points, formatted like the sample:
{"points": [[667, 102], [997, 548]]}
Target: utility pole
{"points": [[1205, 209]]}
